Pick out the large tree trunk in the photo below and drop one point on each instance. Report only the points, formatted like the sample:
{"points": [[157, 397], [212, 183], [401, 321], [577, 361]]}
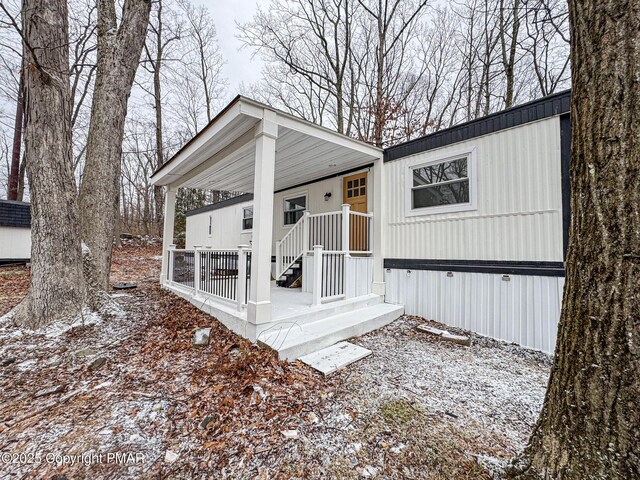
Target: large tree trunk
{"points": [[590, 422], [119, 51], [14, 174], [57, 284]]}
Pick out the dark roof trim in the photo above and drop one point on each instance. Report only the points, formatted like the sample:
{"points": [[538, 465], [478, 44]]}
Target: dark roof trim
{"points": [[193, 139], [499, 267], [327, 177], [247, 197], [15, 214], [545, 107]]}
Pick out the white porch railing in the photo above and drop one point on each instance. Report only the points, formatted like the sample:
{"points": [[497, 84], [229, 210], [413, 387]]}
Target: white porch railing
{"points": [[223, 274], [338, 236], [329, 269], [344, 231], [292, 246]]}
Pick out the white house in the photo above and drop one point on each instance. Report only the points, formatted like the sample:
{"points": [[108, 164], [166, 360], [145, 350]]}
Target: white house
{"points": [[467, 226], [15, 232]]}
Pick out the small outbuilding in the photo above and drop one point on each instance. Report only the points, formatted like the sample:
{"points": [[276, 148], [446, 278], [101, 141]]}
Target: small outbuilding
{"points": [[15, 232]]}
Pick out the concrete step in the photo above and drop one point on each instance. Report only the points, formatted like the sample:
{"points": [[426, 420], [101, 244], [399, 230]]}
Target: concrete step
{"points": [[292, 341], [335, 357], [310, 313]]}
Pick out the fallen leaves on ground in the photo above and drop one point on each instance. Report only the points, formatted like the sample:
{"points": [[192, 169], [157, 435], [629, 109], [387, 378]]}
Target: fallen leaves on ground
{"points": [[133, 383]]}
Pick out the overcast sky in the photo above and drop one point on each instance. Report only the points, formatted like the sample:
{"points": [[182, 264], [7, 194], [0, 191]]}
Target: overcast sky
{"points": [[240, 66]]}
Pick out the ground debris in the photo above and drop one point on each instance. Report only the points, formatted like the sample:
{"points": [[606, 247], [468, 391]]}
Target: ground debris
{"points": [[413, 406]]}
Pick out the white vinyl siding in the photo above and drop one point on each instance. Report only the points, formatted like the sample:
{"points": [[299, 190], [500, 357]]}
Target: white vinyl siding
{"points": [[15, 243], [525, 309], [519, 201]]}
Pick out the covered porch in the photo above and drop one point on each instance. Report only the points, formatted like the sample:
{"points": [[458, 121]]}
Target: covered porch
{"points": [[250, 147]]}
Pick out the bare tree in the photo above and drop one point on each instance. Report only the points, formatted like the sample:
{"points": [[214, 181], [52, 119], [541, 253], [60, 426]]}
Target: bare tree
{"points": [[312, 39], [393, 20], [204, 59], [57, 281]]}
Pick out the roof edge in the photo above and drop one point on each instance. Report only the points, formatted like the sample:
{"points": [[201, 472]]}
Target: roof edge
{"points": [[538, 109], [247, 197]]}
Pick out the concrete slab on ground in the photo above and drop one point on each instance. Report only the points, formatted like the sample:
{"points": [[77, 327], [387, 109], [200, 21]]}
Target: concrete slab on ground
{"points": [[335, 357]]}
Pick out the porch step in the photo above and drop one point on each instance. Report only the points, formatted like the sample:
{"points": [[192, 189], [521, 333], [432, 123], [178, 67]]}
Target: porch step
{"points": [[291, 276], [292, 340]]}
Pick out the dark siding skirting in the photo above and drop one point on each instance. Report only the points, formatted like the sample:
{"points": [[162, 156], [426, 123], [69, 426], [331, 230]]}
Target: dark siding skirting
{"points": [[542, 108], [501, 267], [14, 261]]}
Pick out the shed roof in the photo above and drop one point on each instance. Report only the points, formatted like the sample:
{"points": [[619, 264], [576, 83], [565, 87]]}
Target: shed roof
{"points": [[15, 214]]}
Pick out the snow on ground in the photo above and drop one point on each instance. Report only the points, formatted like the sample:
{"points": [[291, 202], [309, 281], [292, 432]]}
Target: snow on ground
{"points": [[485, 399], [418, 407]]}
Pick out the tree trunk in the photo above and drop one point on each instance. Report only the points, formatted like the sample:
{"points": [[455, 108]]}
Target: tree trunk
{"points": [[157, 94], [21, 172], [590, 422], [118, 57], [14, 175], [57, 284]]}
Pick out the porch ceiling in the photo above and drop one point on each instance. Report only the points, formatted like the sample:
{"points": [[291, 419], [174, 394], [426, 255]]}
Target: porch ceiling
{"points": [[222, 156]]}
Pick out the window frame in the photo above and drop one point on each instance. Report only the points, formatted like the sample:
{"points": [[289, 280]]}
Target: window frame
{"points": [[304, 194], [245, 218], [210, 228], [472, 175]]}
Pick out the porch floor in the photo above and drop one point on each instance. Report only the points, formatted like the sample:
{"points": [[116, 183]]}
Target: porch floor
{"points": [[297, 327], [287, 302]]}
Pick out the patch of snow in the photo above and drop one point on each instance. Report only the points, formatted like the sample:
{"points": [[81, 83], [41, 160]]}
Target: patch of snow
{"points": [[120, 295], [86, 318], [26, 365]]}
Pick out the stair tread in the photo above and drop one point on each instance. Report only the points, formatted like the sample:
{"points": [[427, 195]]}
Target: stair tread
{"points": [[291, 335]]}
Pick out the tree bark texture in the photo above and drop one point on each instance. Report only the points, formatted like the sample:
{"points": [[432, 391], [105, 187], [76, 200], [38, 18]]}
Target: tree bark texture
{"points": [[57, 285], [14, 174], [590, 422], [119, 49]]}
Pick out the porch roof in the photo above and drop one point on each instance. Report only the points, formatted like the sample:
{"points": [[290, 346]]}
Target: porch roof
{"points": [[222, 155]]}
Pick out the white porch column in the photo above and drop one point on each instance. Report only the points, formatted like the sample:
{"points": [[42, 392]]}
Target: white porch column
{"points": [[378, 286], [167, 233], [346, 235], [259, 306]]}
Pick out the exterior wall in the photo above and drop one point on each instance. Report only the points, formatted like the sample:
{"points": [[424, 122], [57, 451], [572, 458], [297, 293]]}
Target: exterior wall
{"points": [[519, 202], [15, 243], [524, 309], [227, 221], [227, 228], [315, 201]]}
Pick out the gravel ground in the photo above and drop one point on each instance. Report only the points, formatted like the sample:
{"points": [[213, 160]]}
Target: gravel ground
{"points": [[422, 407]]}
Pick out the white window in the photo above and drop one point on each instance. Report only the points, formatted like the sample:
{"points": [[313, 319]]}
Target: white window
{"points": [[294, 208], [210, 225], [247, 218], [445, 184]]}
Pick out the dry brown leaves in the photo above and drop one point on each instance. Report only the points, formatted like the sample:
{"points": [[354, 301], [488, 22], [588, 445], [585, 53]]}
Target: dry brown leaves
{"points": [[216, 404], [14, 283]]}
